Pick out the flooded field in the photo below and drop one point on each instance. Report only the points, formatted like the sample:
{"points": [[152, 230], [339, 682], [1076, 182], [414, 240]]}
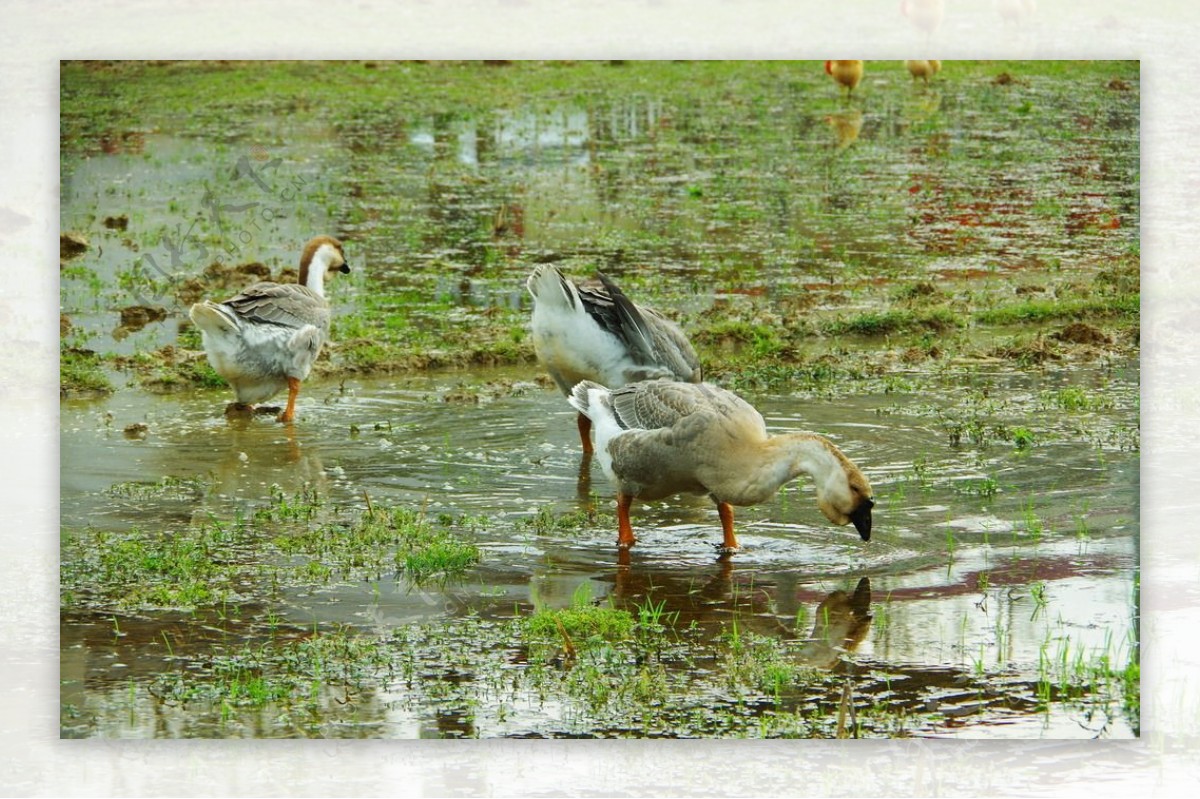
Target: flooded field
{"points": [[943, 279]]}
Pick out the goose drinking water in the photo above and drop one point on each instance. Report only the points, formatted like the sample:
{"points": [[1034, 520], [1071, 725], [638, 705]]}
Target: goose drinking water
{"points": [[657, 438]]}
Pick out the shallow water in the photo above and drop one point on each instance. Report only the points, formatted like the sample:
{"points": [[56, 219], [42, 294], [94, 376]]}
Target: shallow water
{"points": [[415, 448]]}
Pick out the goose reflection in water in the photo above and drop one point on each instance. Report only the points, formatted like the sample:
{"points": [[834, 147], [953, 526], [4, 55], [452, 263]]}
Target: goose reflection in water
{"points": [[841, 620]]}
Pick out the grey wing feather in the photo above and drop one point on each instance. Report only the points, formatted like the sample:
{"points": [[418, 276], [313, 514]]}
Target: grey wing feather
{"points": [[652, 339], [673, 348], [655, 404], [599, 305], [284, 304], [632, 326]]}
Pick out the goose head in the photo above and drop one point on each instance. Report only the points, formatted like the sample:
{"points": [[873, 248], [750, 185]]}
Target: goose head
{"points": [[844, 495], [323, 257]]}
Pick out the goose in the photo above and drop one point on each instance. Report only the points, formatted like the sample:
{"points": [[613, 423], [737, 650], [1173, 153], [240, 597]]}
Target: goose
{"points": [[923, 70], [846, 73], [267, 337], [658, 438], [589, 332]]}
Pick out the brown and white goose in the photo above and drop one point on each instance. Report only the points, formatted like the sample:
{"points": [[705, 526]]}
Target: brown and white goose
{"points": [[595, 332], [268, 337], [659, 438]]}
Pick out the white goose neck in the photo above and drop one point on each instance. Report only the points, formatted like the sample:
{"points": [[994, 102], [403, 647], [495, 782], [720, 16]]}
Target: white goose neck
{"points": [[314, 276]]}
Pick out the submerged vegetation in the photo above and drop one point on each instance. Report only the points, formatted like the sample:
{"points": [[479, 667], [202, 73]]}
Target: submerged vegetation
{"points": [[292, 540]]}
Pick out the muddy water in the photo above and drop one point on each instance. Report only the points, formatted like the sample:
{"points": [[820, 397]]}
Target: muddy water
{"points": [[951, 574]]}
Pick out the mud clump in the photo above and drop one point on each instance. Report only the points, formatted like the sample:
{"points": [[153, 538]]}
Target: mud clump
{"points": [[191, 291], [255, 269], [913, 355], [135, 317], [218, 278], [1080, 333], [72, 245], [218, 273], [137, 430], [1034, 352]]}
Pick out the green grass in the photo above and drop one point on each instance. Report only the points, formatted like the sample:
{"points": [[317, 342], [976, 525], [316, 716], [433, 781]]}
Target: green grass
{"points": [[982, 487], [624, 676], [1103, 676], [82, 372], [397, 540], [172, 375], [1076, 398], [583, 622], [339, 88], [441, 556], [292, 540], [166, 488], [547, 520], [1123, 306], [878, 323], [141, 569]]}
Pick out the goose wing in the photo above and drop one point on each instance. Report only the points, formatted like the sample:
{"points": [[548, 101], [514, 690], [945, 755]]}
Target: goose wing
{"points": [[672, 348], [627, 323], [284, 304], [650, 339], [658, 404], [599, 304]]}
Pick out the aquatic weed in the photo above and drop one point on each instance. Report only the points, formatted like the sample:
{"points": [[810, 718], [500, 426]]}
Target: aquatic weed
{"points": [[81, 372]]}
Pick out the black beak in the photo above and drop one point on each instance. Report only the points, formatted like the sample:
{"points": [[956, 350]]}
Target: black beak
{"points": [[344, 268], [862, 519]]}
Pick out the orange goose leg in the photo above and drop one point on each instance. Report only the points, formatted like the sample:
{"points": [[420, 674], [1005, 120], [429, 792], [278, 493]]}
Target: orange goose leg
{"points": [[625, 537], [725, 511], [585, 433], [289, 413]]}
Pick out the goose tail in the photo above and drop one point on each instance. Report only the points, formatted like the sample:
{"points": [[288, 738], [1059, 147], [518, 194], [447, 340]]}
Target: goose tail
{"points": [[548, 286], [590, 398], [213, 319]]}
